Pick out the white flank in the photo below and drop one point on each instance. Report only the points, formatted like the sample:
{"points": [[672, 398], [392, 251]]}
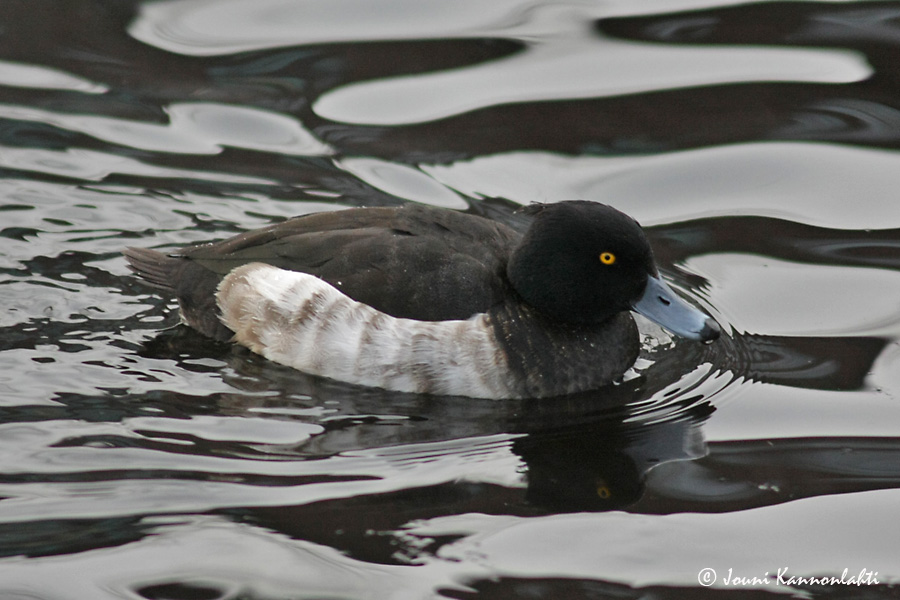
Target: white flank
{"points": [[299, 320]]}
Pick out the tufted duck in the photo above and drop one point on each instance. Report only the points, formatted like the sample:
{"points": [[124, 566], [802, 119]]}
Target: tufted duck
{"points": [[427, 300]]}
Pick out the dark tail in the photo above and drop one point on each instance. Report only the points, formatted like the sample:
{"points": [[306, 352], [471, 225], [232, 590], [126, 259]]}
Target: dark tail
{"points": [[154, 267], [190, 283]]}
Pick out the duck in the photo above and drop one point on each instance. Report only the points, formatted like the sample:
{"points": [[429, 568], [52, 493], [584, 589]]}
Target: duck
{"points": [[428, 300]]}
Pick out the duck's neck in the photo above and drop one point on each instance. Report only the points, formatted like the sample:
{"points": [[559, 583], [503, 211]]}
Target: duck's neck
{"points": [[551, 358]]}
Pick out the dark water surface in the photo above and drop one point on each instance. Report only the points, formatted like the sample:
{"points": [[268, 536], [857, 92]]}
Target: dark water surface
{"points": [[758, 141]]}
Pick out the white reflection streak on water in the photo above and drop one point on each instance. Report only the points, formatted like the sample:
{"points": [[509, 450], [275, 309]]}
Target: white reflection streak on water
{"points": [[809, 536], [802, 182], [193, 128], [402, 181], [90, 165], [217, 27], [36, 448], [36, 76], [596, 67], [765, 295]]}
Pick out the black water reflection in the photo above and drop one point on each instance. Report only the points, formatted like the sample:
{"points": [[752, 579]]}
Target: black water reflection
{"points": [[64, 536], [739, 475], [869, 27], [785, 240], [804, 362]]}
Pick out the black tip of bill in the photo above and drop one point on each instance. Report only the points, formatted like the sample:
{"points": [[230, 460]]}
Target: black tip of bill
{"points": [[663, 306]]}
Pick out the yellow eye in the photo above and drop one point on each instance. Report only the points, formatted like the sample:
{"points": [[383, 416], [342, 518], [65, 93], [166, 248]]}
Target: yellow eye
{"points": [[607, 258], [604, 492]]}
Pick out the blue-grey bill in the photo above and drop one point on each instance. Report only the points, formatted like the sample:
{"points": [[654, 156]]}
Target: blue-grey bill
{"points": [[662, 305]]}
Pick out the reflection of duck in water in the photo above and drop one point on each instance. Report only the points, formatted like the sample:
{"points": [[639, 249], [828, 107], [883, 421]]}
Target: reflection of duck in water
{"points": [[425, 300], [583, 463], [602, 466]]}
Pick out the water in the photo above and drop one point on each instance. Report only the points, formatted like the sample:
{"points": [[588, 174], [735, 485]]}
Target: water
{"points": [[759, 144]]}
